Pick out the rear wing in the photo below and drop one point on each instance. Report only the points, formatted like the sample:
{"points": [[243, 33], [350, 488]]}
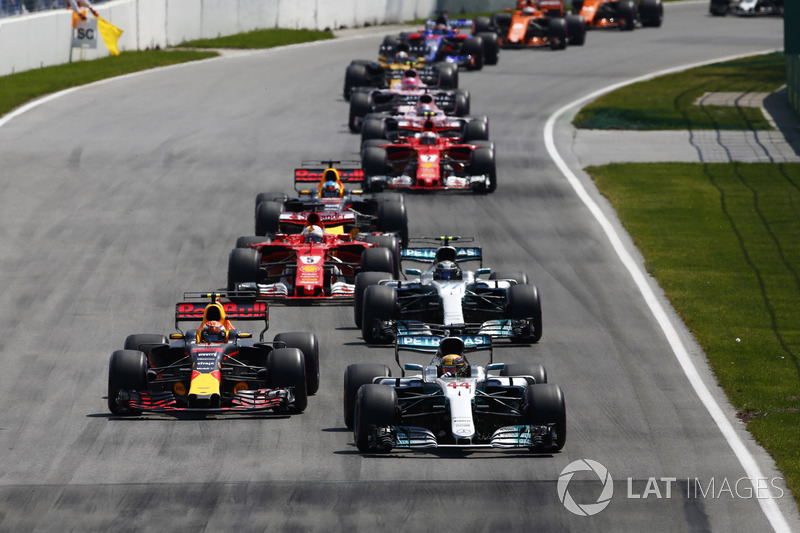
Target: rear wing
{"points": [[237, 305], [313, 171], [428, 255], [427, 343]]}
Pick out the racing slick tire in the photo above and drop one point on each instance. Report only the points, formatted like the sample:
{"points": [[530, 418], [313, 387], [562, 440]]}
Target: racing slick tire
{"points": [[390, 242], [502, 24], [545, 404], [557, 33], [360, 105], [374, 163], [577, 5], [364, 280], [483, 24], [377, 260], [286, 369], [355, 76], [246, 240], [482, 163], [473, 46], [462, 103], [243, 265], [520, 277], [535, 370], [127, 370], [651, 13], [393, 218], [279, 197], [376, 405], [476, 130], [491, 47], [576, 30], [144, 342], [524, 304], [373, 128], [626, 11], [268, 217], [355, 376], [392, 42], [308, 344], [719, 8], [448, 75], [379, 304], [374, 143]]}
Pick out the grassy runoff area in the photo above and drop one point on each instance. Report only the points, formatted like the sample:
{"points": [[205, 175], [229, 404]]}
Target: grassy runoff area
{"points": [[723, 241], [19, 88]]}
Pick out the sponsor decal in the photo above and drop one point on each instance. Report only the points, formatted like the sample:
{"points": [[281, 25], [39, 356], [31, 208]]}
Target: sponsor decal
{"points": [[309, 268]]}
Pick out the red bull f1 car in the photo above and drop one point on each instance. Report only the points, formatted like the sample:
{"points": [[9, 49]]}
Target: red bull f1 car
{"points": [[451, 402], [322, 190], [215, 367]]}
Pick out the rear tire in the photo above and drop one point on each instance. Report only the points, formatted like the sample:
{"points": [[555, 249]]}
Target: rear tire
{"points": [[520, 277], [651, 13], [535, 370], [354, 76], [144, 342], [491, 47], [268, 218], [557, 33], [393, 218], [355, 376], [127, 370], [377, 260], [247, 240], [286, 367], [473, 46], [576, 30], [626, 11], [360, 105], [309, 345]]}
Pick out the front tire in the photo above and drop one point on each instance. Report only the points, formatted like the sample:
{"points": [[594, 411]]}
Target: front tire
{"points": [[127, 370], [376, 406], [286, 368], [309, 345], [546, 405]]}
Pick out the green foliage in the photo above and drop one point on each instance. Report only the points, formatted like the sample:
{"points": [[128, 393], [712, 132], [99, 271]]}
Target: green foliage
{"points": [[667, 103], [261, 39], [723, 241]]}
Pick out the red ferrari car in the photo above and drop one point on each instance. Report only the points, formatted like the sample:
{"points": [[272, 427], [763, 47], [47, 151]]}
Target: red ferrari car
{"points": [[313, 265], [429, 161]]}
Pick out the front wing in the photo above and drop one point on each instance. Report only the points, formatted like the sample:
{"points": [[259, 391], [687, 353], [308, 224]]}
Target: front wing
{"points": [[523, 436], [244, 401]]}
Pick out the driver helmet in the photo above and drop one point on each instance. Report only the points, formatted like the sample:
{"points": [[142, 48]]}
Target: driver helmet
{"points": [[214, 332], [402, 57], [447, 270], [313, 233], [330, 189], [426, 110], [454, 365], [428, 138], [527, 10], [410, 79]]}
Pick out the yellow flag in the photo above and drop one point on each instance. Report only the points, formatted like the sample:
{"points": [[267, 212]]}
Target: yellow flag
{"points": [[110, 34]]}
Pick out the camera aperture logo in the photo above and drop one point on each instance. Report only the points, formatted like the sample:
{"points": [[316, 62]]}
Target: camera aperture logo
{"points": [[585, 509]]}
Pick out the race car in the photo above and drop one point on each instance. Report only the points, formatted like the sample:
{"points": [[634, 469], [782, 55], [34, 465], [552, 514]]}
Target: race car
{"points": [[424, 116], [340, 209], [428, 161], [451, 402], [720, 8], [214, 368], [622, 14], [504, 305], [387, 71], [536, 23], [313, 266], [442, 41], [396, 101]]}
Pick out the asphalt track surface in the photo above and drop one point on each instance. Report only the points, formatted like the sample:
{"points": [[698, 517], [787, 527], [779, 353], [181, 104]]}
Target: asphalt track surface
{"points": [[119, 197]]}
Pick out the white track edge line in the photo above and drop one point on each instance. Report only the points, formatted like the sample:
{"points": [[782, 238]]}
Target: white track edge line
{"points": [[746, 459]]}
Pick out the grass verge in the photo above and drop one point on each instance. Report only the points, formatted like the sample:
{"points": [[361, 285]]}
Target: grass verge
{"points": [[723, 241], [667, 103], [17, 89]]}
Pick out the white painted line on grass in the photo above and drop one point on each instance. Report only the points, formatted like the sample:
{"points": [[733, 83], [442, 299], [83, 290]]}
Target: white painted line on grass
{"points": [[768, 505]]}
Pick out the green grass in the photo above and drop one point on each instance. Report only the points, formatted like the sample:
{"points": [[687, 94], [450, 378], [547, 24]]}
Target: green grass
{"points": [[261, 39], [667, 103], [723, 241], [17, 89]]}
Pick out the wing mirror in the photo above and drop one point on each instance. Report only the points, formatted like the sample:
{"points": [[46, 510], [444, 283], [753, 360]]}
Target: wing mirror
{"points": [[482, 271], [176, 336], [412, 366], [414, 271], [495, 366]]}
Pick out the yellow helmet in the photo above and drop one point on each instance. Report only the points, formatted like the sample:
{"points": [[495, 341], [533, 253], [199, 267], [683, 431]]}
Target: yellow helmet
{"points": [[454, 364]]}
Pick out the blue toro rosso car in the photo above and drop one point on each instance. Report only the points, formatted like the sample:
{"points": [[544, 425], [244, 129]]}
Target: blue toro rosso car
{"points": [[442, 40]]}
